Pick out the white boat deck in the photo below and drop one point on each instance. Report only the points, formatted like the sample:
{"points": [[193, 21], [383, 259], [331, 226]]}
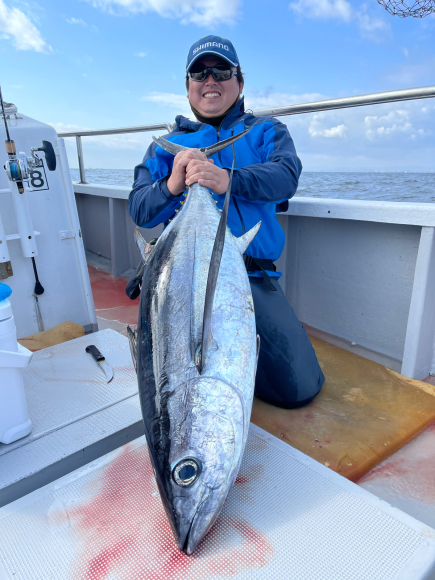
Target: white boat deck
{"points": [[287, 516], [76, 415]]}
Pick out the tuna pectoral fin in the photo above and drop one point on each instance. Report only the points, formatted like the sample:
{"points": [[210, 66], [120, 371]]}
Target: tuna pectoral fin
{"points": [[213, 272], [144, 248], [243, 242], [132, 340], [174, 148]]}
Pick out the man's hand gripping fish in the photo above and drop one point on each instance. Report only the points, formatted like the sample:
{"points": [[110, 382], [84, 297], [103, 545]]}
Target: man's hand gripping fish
{"points": [[195, 352]]}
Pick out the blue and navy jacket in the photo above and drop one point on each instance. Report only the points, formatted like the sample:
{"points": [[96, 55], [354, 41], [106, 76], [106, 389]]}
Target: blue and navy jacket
{"points": [[265, 177]]}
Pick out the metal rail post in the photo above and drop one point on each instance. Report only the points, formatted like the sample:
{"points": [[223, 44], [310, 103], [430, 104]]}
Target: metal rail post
{"points": [[81, 162]]}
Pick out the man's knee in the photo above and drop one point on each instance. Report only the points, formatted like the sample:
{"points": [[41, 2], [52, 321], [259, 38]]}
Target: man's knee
{"points": [[288, 391]]}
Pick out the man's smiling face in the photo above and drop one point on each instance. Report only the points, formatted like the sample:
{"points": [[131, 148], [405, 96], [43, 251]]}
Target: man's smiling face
{"points": [[212, 98]]}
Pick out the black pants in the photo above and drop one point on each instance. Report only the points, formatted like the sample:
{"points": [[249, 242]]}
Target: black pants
{"points": [[288, 374]]}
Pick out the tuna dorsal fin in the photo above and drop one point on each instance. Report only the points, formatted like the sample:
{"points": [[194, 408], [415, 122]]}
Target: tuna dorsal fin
{"points": [[174, 148], [132, 340], [243, 242], [213, 272], [144, 248]]}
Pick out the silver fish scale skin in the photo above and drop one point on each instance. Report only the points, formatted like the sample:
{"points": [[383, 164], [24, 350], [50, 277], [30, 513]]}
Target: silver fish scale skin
{"points": [[208, 413]]}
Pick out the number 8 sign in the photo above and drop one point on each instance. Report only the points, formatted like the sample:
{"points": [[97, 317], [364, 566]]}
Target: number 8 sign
{"points": [[38, 179]]}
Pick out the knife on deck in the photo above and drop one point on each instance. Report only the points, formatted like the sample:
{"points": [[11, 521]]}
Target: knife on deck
{"points": [[96, 355]]}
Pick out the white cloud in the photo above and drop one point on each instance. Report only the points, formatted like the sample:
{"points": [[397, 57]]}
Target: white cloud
{"points": [[179, 103], [370, 27], [79, 21], [345, 140], [201, 12], [394, 122], [16, 25], [315, 129], [340, 9], [141, 54]]}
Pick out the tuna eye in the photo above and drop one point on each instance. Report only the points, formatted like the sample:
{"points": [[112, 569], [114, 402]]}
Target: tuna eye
{"points": [[187, 471]]}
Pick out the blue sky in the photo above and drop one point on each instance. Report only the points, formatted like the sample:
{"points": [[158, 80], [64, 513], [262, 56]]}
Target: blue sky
{"points": [[108, 63]]}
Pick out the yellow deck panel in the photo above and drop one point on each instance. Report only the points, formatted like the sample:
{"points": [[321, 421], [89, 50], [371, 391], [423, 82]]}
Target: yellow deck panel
{"points": [[363, 414], [56, 335]]}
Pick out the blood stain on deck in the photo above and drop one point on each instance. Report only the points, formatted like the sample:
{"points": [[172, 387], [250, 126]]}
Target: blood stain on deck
{"points": [[123, 532], [412, 471]]}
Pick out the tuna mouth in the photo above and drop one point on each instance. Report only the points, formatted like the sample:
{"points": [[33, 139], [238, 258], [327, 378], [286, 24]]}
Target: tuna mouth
{"points": [[184, 543], [189, 540]]}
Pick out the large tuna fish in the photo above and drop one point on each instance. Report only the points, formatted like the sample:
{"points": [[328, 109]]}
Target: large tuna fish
{"points": [[195, 351]]}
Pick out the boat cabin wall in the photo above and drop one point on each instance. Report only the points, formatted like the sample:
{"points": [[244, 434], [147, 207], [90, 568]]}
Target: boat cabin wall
{"points": [[358, 274], [353, 280], [60, 258]]}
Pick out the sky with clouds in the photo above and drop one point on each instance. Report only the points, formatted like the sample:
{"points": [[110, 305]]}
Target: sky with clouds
{"points": [[94, 64]]}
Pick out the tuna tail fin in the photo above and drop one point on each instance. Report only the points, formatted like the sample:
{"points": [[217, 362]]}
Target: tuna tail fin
{"points": [[144, 248], [132, 340], [213, 272], [174, 148]]}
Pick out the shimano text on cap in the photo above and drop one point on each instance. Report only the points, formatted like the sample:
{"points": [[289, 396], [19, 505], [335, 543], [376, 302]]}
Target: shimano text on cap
{"points": [[214, 45]]}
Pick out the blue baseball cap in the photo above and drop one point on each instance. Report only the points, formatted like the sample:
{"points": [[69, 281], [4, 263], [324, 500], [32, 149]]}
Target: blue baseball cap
{"points": [[215, 45]]}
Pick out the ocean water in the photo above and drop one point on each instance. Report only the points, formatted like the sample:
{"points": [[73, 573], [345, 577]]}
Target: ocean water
{"points": [[415, 187]]}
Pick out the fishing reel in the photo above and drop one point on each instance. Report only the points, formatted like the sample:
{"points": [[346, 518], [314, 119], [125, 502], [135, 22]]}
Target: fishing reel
{"points": [[19, 167]]}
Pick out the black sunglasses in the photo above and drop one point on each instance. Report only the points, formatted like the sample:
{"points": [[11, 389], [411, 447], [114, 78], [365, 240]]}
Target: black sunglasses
{"points": [[219, 72]]}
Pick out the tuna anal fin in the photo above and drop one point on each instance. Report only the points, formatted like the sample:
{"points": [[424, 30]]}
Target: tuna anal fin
{"points": [[213, 272], [174, 148], [243, 242], [144, 248], [132, 340]]}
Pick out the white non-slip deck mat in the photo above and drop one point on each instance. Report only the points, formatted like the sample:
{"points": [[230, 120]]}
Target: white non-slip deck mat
{"points": [[76, 415], [287, 517], [64, 384]]}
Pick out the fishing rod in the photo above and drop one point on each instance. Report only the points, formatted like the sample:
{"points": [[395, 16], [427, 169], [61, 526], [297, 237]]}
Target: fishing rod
{"points": [[18, 169]]}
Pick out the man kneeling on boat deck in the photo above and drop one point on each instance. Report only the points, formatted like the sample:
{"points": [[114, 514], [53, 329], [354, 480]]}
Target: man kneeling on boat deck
{"points": [[266, 174]]}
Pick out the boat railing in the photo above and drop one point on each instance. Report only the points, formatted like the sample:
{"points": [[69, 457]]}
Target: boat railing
{"points": [[314, 107]]}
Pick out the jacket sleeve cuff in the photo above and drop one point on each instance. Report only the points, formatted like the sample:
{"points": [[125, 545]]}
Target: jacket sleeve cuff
{"points": [[165, 190]]}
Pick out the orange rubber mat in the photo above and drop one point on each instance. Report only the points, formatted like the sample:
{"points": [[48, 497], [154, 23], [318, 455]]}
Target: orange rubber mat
{"points": [[56, 335], [363, 414]]}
